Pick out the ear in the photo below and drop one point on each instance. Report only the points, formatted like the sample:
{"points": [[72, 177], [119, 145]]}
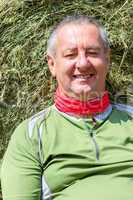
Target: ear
{"points": [[51, 65]]}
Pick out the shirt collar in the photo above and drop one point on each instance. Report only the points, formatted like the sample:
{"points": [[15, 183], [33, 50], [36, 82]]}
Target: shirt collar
{"points": [[98, 118], [102, 116]]}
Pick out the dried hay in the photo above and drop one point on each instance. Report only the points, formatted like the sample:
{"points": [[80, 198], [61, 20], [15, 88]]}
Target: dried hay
{"points": [[25, 82]]}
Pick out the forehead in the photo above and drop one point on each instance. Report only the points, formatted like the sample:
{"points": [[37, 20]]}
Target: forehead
{"points": [[78, 35]]}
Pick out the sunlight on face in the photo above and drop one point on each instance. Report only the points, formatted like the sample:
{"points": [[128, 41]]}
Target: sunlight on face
{"points": [[81, 63]]}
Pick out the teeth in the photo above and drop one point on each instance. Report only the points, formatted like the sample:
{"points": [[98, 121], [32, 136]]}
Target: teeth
{"points": [[83, 76]]}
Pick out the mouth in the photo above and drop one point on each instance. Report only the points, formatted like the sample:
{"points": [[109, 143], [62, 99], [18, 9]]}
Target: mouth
{"points": [[84, 77]]}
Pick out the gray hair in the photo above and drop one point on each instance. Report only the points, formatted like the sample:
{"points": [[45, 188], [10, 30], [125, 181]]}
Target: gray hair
{"points": [[76, 19]]}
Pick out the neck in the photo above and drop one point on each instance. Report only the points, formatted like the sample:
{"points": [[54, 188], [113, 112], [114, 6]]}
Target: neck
{"points": [[84, 108]]}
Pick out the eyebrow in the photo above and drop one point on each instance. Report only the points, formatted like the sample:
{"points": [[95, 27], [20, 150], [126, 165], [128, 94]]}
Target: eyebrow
{"points": [[69, 50], [92, 47]]}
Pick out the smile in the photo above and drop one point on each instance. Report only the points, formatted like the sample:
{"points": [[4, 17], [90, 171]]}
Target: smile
{"points": [[80, 76]]}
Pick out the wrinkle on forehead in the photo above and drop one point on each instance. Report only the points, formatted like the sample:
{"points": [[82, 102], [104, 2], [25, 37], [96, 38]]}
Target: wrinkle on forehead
{"points": [[70, 36]]}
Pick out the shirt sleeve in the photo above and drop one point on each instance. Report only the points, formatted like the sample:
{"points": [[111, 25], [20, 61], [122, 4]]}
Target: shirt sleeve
{"points": [[21, 170]]}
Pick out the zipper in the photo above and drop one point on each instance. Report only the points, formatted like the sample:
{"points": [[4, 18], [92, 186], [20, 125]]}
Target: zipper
{"points": [[91, 134], [95, 144]]}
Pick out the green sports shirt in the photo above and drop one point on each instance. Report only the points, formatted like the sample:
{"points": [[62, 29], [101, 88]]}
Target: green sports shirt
{"points": [[56, 156]]}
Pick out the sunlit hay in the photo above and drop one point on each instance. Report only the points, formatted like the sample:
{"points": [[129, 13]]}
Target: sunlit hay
{"points": [[25, 82]]}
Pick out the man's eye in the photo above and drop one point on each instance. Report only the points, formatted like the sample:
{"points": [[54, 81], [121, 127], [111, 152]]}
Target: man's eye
{"points": [[92, 53], [71, 55]]}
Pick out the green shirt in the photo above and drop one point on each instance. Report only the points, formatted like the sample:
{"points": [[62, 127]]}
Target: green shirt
{"points": [[55, 156]]}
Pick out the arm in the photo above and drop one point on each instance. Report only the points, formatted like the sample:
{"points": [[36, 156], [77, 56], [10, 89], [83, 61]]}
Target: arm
{"points": [[21, 169]]}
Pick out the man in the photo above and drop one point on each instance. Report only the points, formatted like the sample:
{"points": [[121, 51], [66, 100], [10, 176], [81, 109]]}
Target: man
{"points": [[81, 147]]}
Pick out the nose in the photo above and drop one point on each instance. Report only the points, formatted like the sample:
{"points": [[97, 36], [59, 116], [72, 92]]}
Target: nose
{"points": [[82, 62]]}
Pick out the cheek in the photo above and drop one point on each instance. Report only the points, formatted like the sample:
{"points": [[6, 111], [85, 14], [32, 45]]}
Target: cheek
{"points": [[68, 68], [69, 63], [101, 65], [101, 71]]}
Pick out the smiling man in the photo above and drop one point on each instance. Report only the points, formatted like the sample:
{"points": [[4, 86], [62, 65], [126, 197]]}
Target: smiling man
{"points": [[81, 60], [81, 147]]}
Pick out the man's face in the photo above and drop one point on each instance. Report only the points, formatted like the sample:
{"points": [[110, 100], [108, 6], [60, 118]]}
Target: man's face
{"points": [[80, 63]]}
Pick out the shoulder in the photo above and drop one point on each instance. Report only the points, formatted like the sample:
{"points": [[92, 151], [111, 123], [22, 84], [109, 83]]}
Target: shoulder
{"points": [[26, 139], [28, 129], [124, 108], [36, 120]]}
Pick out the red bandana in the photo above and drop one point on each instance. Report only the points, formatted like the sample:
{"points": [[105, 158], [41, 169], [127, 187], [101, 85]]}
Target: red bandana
{"points": [[82, 108]]}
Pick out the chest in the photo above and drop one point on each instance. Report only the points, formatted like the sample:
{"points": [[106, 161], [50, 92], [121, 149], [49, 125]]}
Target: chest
{"points": [[74, 152]]}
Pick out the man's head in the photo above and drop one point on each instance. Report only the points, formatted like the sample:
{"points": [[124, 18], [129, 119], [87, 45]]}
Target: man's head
{"points": [[78, 56]]}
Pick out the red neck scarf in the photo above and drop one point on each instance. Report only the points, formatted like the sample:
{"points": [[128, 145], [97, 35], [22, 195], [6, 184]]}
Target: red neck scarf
{"points": [[81, 108]]}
